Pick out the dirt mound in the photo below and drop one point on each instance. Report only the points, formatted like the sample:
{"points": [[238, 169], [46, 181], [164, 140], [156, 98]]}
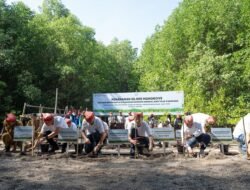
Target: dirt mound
{"points": [[213, 154]]}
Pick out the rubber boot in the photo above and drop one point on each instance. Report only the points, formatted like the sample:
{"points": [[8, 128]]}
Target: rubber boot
{"points": [[64, 146], [7, 148], [53, 149]]}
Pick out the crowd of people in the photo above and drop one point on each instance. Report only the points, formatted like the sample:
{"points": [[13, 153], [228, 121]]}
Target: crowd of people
{"points": [[94, 130]]}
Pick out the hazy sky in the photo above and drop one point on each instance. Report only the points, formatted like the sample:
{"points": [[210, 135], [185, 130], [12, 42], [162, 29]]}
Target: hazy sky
{"points": [[132, 20]]}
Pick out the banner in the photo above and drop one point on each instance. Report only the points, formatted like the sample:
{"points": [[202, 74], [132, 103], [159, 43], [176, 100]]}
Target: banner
{"points": [[158, 103]]}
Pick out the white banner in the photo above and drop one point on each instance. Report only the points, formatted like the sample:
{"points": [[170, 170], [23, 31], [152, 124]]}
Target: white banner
{"points": [[23, 133], [158, 103]]}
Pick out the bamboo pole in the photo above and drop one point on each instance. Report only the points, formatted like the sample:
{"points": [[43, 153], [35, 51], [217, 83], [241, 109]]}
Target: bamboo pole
{"points": [[246, 137], [24, 108], [56, 101]]}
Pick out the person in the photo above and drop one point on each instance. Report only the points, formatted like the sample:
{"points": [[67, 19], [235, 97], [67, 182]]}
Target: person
{"points": [[71, 125], [50, 129], [9, 123], [79, 118], [160, 125], [168, 122], [193, 134], [128, 119], [74, 117], [25, 120], [93, 133], [178, 122], [205, 121], [68, 115], [169, 119], [241, 135], [152, 121], [111, 120], [35, 123], [139, 135], [120, 121], [106, 129]]}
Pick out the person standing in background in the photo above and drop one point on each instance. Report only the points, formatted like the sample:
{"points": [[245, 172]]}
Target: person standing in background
{"points": [[178, 122], [111, 121]]}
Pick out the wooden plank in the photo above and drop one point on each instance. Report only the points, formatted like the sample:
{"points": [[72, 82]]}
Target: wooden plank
{"points": [[23, 133]]}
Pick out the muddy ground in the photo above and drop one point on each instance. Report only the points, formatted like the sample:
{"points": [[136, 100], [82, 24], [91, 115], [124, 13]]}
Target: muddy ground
{"points": [[172, 171]]}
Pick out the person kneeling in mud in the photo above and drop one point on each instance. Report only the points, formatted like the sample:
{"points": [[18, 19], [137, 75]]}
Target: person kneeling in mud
{"points": [[50, 129], [194, 134], [93, 133], [9, 124], [140, 136]]}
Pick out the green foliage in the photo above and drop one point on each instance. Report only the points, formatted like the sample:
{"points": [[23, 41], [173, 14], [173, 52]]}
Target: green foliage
{"points": [[124, 57], [54, 9], [40, 52], [203, 49]]}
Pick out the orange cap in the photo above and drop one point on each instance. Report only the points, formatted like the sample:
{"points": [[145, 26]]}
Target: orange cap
{"points": [[138, 114], [89, 116], [47, 117], [11, 117]]}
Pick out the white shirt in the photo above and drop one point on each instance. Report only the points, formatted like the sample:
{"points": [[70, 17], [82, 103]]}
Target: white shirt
{"points": [[200, 120], [105, 125], [126, 122], [238, 130], [73, 126], [92, 128], [169, 126], [143, 130], [195, 130], [120, 119], [160, 125], [111, 119], [59, 122]]}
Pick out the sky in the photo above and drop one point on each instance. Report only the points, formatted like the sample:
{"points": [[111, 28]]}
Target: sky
{"points": [[132, 20]]}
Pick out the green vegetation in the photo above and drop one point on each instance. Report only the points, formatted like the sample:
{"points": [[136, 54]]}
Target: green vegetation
{"points": [[203, 48]]}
